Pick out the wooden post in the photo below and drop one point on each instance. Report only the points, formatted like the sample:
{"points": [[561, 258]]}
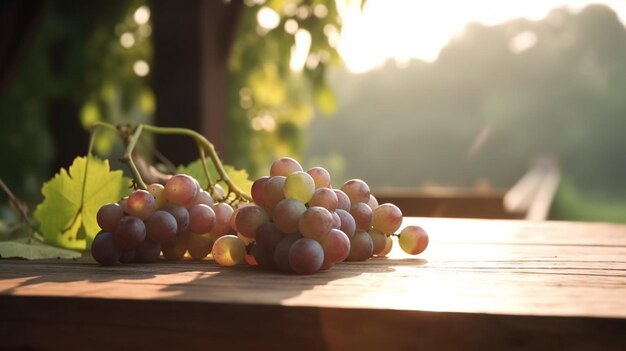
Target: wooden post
{"points": [[192, 40]]}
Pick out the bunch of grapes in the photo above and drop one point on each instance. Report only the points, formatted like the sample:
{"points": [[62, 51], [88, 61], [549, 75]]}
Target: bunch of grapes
{"points": [[297, 223]]}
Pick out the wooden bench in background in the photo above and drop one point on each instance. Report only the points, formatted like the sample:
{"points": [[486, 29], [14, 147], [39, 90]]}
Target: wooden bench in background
{"points": [[530, 198]]}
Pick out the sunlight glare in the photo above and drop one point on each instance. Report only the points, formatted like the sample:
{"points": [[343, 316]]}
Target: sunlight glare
{"points": [[406, 29]]}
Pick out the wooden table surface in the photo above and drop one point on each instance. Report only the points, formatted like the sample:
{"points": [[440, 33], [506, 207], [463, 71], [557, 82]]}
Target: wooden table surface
{"points": [[502, 284]]}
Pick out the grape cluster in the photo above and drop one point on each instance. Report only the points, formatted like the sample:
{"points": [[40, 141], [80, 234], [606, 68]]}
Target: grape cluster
{"points": [[297, 223]]}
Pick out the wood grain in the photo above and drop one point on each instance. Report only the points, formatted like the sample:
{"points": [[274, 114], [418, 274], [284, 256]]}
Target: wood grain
{"points": [[481, 283]]}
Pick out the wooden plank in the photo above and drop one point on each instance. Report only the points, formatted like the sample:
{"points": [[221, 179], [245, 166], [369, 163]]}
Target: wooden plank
{"points": [[496, 284]]}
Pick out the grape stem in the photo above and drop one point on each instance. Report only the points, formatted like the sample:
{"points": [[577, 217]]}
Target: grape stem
{"points": [[131, 135]]}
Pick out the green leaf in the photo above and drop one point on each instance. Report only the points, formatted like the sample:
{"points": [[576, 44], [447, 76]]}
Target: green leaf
{"points": [[67, 216], [239, 177], [33, 250]]}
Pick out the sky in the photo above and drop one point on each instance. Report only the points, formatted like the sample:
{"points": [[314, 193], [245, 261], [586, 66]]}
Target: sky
{"points": [[413, 29]]}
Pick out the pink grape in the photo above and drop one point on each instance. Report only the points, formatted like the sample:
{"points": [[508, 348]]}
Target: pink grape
{"points": [[336, 248], [250, 218], [200, 245], [223, 212], [320, 176], [361, 247], [284, 166], [372, 202], [258, 191], [286, 215], [182, 217], [348, 225], [362, 216], [281, 253], [141, 204], [129, 233], [388, 247], [201, 219], [379, 241], [108, 216], [315, 223], [181, 190], [357, 190], [161, 227], [203, 198], [274, 190], [306, 256], [157, 191], [104, 250], [324, 197], [343, 201], [413, 239], [148, 251], [387, 218]]}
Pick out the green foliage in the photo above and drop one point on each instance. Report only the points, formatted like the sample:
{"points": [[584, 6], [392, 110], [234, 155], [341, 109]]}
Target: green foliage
{"points": [[75, 59], [271, 104], [239, 176], [33, 250], [67, 216]]}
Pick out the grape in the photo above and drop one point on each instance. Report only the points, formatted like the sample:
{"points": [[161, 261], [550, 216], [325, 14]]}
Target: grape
{"points": [[361, 247], [348, 225], [246, 241], [343, 201], [413, 239], [161, 227], [336, 248], [201, 219], [320, 176], [129, 233], [306, 256], [287, 214], [223, 212], [373, 202], [263, 257], [218, 192], [324, 197], [274, 190], [362, 216], [315, 223], [250, 218], [281, 253], [104, 250], [357, 190], [141, 204], [123, 202], [233, 217], [388, 246], [156, 190], [108, 216], [258, 191], [268, 236], [148, 251], [203, 198], [284, 166], [182, 217], [175, 249], [336, 220], [200, 245], [181, 190], [387, 218], [228, 250], [379, 241], [299, 186], [128, 256]]}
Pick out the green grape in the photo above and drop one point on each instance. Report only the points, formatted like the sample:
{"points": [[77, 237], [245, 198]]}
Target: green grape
{"points": [[157, 191], [299, 186], [413, 239], [228, 250]]}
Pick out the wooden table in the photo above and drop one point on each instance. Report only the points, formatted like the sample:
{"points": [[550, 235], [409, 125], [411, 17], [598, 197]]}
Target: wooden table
{"points": [[493, 284]]}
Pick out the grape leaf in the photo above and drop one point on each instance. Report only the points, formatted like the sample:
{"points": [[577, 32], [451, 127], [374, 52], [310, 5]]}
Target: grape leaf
{"points": [[67, 217], [238, 176], [33, 250]]}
